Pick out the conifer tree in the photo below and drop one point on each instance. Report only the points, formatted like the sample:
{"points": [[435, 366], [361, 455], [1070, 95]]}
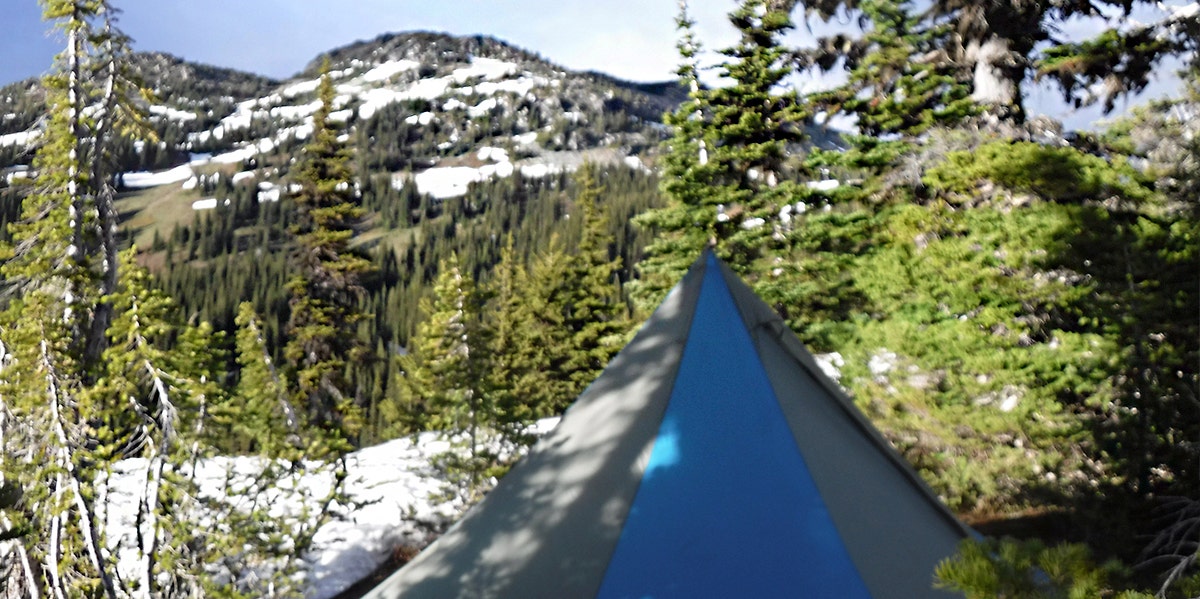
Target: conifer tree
{"points": [[442, 381], [263, 412], [95, 368], [685, 223], [594, 310], [1029, 570], [888, 90], [1004, 45], [544, 305], [52, 284], [327, 285], [727, 167], [512, 373]]}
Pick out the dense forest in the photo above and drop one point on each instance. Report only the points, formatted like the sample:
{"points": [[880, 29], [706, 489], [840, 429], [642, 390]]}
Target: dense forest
{"points": [[1015, 306]]}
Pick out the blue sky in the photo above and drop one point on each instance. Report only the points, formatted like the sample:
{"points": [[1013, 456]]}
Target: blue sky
{"points": [[632, 39]]}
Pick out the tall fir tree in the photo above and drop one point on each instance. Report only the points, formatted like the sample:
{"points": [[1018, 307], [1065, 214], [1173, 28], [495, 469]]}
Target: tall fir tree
{"points": [[514, 340], [544, 307], [593, 306], [327, 287], [728, 168], [53, 294], [442, 382]]}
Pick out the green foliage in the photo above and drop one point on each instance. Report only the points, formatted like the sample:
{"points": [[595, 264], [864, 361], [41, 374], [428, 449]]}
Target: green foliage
{"points": [[517, 348], [1124, 61], [1060, 173], [1030, 570], [997, 50], [327, 285], [442, 383], [261, 419], [888, 91], [725, 164], [593, 309], [104, 385]]}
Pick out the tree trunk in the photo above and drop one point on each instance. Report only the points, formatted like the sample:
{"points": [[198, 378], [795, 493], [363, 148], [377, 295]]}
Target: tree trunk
{"points": [[997, 77], [106, 212]]}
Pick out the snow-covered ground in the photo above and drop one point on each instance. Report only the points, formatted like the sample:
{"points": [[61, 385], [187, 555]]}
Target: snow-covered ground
{"points": [[390, 486]]}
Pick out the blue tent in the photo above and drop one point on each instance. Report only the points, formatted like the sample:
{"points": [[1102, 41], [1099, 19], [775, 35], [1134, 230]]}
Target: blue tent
{"points": [[712, 458]]}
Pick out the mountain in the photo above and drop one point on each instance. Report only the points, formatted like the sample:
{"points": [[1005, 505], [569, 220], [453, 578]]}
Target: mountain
{"points": [[456, 140], [441, 111], [462, 91]]}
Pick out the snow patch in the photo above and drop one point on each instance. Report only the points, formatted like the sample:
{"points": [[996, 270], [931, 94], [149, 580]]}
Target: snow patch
{"points": [[388, 69], [487, 68], [143, 179], [389, 484], [483, 108], [205, 204], [304, 87], [11, 174], [492, 153], [295, 113], [831, 364], [270, 194], [172, 114], [447, 182], [262, 146], [519, 86], [420, 119], [21, 138], [824, 184], [526, 139]]}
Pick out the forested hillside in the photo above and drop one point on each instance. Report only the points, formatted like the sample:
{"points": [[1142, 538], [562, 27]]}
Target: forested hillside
{"points": [[425, 232]]}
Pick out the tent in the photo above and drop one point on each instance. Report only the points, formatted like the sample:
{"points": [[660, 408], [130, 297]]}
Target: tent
{"points": [[712, 458]]}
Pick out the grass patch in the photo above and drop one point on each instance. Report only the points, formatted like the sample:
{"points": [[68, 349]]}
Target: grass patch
{"points": [[155, 209]]}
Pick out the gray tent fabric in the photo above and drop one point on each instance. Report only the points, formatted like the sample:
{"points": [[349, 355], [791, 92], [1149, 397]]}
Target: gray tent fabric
{"points": [[577, 517]]}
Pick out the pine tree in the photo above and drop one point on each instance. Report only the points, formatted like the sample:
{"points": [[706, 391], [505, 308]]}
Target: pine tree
{"points": [[594, 310], [327, 287], [544, 306], [513, 371], [1004, 45], [888, 91], [727, 169], [442, 382], [262, 417], [685, 224], [95, 368]]}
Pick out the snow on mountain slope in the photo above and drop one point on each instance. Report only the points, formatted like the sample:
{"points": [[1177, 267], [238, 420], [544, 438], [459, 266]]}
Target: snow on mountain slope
{"points": [[441, 97], [137, 180]]}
